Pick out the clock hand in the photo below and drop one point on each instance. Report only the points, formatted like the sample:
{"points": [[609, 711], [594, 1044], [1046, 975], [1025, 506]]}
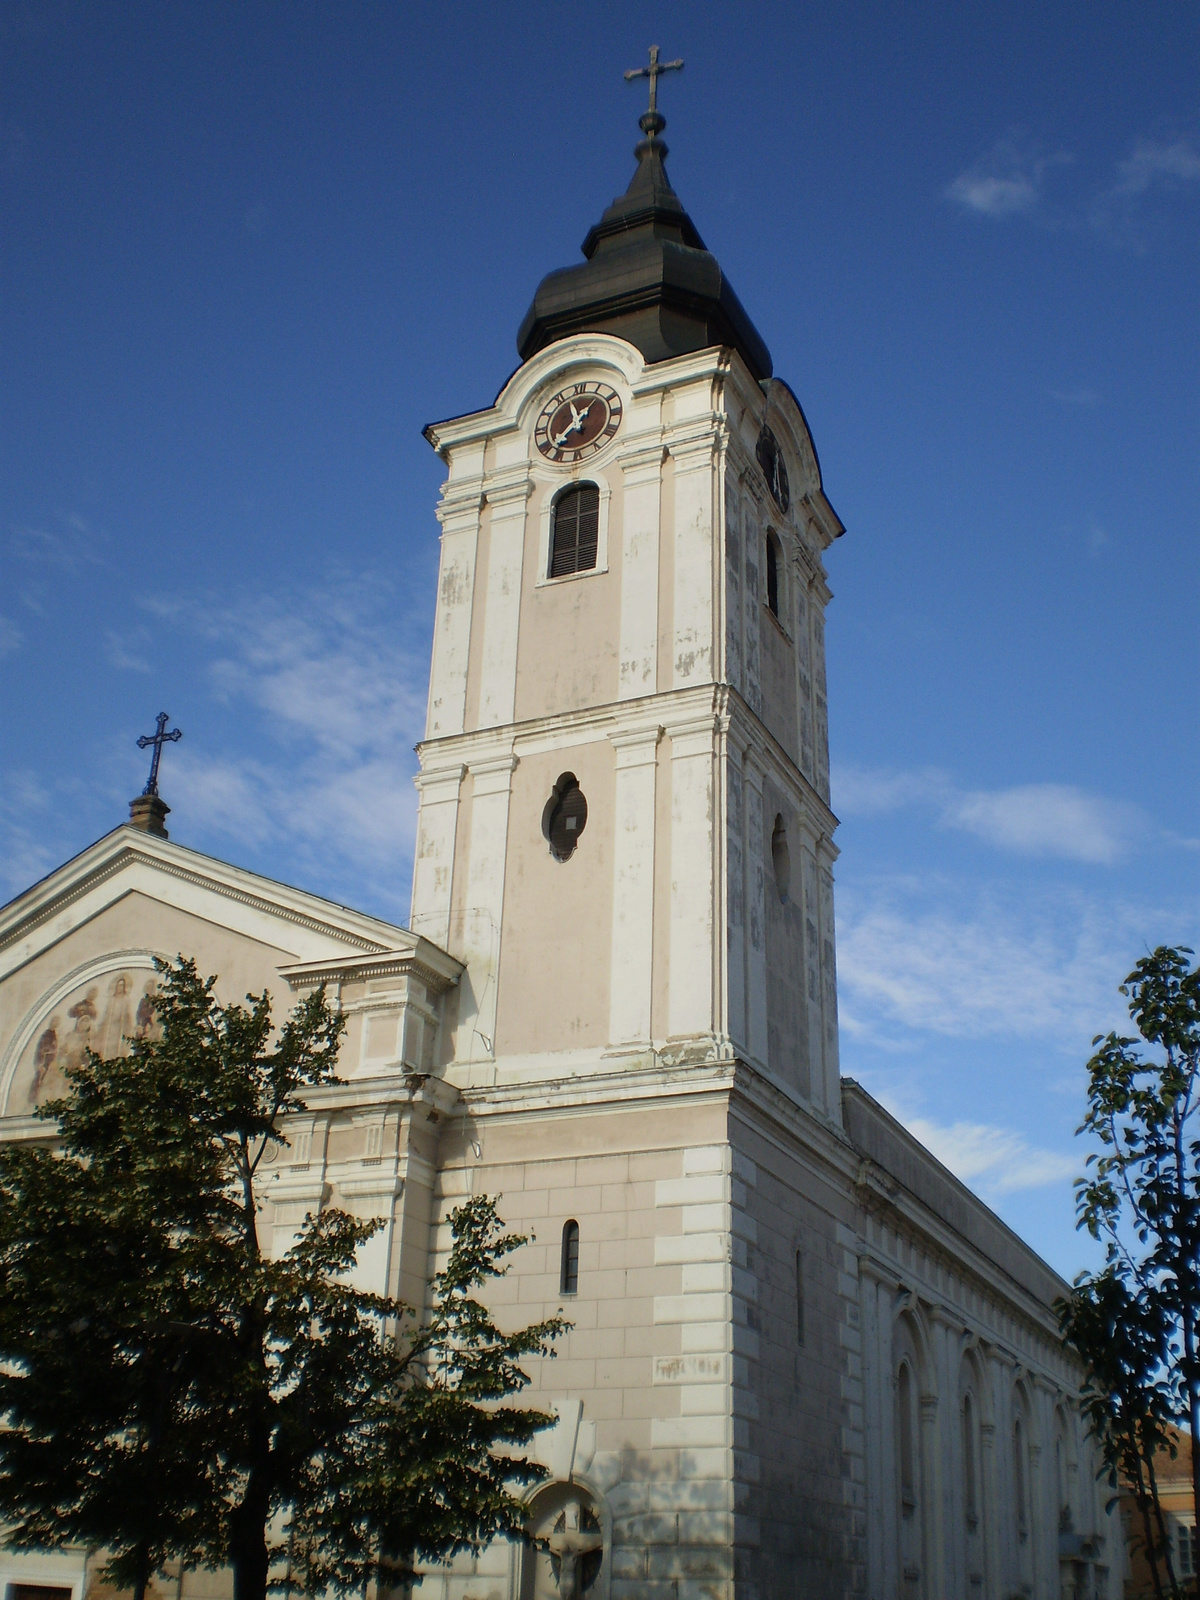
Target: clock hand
{"points": [[578, 420]]}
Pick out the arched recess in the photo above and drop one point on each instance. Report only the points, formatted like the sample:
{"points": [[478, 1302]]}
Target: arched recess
{"points": [[972, 1502], [1065, 1469], [1022, 1503], [569, 1555], [82, 1011], [913, 1397]]}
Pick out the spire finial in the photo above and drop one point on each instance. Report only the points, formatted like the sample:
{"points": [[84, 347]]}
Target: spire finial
{"points": [[653, 122]]}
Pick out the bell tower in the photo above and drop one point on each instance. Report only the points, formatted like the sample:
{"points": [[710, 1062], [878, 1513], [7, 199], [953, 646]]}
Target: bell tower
{"points": [[624, 823]]}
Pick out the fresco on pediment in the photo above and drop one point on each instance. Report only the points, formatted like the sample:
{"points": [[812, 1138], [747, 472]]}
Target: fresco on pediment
{"points": [[106, 1015]]}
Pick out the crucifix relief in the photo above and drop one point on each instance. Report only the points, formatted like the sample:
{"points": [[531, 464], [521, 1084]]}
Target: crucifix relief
{"points": [[568, 1550]]}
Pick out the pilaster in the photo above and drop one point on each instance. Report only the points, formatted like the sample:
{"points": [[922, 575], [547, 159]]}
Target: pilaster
{"points": [[754, 774], [693, 452], [483, 911], [632, 961], [459, 514], [506, 499], [690, 960], [433, 867], [638, 659]]}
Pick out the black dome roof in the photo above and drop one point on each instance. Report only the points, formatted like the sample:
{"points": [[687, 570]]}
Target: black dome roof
{"points": [[647, 278]]}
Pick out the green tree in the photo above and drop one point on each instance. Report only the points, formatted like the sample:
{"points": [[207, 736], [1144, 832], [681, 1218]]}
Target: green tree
{"points": [[171, 1394], [1135, 1323]]}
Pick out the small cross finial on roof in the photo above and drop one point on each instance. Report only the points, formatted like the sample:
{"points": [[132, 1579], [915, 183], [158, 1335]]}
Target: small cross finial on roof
{"points": [[652, 121], [158, 738]]}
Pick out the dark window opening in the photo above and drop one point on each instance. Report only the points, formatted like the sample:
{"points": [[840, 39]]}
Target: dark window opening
{"points": [[568, 1278], [564, 817], [772, 575], [781, 859], [800, 1298], [576, 532]]}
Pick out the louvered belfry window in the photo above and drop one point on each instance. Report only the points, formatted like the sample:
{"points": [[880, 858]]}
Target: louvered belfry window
{"points": [[576, 531]]}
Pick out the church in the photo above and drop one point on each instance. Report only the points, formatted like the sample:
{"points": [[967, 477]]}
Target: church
{"points": [[804, 1360]]}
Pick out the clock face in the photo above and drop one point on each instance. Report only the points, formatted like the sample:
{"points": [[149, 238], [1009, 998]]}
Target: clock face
{"points": [[771, 461], [577, 422]]}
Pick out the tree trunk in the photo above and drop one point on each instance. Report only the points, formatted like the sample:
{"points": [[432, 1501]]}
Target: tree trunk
{"points": [[1162, 1526], [142, 1575], [1143, 1502], [248, 1541]]}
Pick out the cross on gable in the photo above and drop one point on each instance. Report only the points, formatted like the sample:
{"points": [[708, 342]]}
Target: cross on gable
{"points": [[158, 738]]}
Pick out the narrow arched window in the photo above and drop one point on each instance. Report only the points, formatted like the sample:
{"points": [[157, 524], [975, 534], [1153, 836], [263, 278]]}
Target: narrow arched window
{"points": [[799, 1297], [781, 858], [773, 574], [1019, 1480], [568, 1277], [576, 530], [906, 1422], [970, 1488]]}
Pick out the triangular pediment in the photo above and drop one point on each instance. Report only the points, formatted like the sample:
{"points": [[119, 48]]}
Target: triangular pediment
{"points": [[77, 950]]}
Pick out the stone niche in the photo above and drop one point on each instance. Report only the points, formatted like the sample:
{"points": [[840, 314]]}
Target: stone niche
{"points": [[392, 1002]]}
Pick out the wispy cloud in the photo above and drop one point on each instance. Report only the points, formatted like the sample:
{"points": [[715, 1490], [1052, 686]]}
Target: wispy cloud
{"points": [[1007, 180], [31, 844], [992, 1159], [1081, 395], [1129, 210], [328, 706], [1032, 819], [10, 637], [70, 547], [1154, 164], [120, 649], [926, 956], [1012, 179], [1047, 819]]}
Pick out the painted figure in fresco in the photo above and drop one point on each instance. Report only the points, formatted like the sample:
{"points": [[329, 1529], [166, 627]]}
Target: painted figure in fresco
{"points": [[108, 1026], [43, 1059], [114, 1038], [146, 1020]]}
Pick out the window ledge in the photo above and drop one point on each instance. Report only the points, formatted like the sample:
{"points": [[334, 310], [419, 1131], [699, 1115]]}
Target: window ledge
{"points": [[777, 622], [546, 582]]}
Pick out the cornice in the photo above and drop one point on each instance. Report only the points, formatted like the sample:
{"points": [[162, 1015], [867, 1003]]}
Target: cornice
{"points": [[483, 744], [422, 959]]}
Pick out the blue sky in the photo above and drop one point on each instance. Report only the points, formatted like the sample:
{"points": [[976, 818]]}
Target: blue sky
{"points": [[247, 252]]}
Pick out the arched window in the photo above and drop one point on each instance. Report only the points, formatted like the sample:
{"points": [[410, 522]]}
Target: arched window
{"points": [[800, 1297], [576, 530], [781, 858], [568, 1277], [1020, 1490], [772, 574], [970, 1467], [906, 1428]]}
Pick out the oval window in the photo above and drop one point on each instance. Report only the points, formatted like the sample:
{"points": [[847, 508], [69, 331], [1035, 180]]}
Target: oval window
{"points": [[564, 817]]}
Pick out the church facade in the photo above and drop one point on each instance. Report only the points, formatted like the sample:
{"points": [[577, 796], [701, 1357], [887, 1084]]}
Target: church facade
{"points": [[804, 1359]]}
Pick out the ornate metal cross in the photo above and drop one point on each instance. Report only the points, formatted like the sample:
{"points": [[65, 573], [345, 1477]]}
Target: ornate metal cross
{"points": [[158, 738], [654, 71]]}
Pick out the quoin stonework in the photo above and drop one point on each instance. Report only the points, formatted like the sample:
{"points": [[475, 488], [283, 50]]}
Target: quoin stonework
{"points": [[805, 1360]]}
